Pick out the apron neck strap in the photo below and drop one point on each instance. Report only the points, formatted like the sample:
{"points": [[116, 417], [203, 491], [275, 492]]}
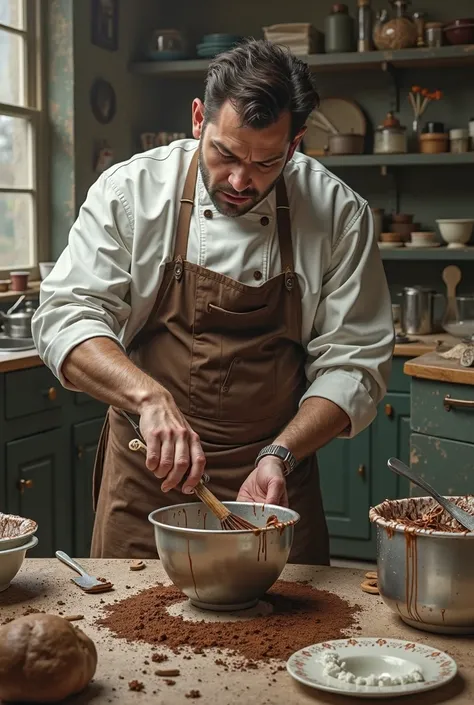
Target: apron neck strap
{"points": [[186, 209], [284, 226], [187, 205]]}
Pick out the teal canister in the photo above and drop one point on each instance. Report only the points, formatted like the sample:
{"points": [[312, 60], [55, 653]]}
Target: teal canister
{"points": [[339, 30]]}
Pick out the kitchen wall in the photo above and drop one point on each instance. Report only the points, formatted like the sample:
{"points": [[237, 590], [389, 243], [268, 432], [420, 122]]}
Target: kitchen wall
{"points": [[73, 64], [144, 103], [429, 193]]}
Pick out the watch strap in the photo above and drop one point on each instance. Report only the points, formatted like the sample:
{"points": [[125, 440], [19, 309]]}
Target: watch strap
{"points": [[281, 452]]}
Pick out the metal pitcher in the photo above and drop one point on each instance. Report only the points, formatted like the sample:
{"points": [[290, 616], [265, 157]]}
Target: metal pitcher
{"points": [[417, 304], [17, 323]]}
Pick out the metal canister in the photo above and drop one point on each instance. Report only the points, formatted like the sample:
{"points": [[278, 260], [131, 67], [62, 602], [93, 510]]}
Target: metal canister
{"points": [[417, 310]]}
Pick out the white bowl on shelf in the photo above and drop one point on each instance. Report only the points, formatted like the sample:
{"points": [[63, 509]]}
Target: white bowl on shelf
{"points": [[456, 231]]}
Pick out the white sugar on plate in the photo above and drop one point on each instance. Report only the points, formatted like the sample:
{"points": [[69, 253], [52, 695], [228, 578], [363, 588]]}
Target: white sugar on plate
{"points": [[334, 667]]}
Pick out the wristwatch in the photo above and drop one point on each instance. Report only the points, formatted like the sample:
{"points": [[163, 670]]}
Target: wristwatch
{"points": [[284, 454]]}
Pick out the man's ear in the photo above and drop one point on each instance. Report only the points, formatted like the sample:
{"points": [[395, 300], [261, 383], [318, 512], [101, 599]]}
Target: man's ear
{"points": [[198, 118], [296, 142]]}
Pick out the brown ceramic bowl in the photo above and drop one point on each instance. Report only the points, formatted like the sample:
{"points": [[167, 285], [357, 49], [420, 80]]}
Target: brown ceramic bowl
{"points": [[402, 218], [460, 31], [390, 237]]}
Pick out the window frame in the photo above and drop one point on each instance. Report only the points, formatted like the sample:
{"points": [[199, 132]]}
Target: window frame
{"points": [[34, 34]]}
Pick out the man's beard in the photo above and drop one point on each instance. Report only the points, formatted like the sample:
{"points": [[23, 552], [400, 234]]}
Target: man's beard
{"points": [[232, 210]]}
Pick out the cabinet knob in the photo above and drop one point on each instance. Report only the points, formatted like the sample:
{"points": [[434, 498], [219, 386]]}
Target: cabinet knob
{"points": [[25, 485], [80, 451], [388, 410], [52, 394], [361, 471]]}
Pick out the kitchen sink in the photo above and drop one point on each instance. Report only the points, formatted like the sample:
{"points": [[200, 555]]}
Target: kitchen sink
{"points": [[15, 344]]}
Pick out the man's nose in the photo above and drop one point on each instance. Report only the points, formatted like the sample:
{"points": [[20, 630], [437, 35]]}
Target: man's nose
{"points": [[240, 178]]}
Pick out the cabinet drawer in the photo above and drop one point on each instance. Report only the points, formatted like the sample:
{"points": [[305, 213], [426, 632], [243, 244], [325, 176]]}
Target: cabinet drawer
{"points": [[430, 415], [445, 464], [31, 391]]}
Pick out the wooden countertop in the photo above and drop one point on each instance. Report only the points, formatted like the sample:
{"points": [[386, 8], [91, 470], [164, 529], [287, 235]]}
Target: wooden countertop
{"points": [[433, 366], [10, 361], [44, 584], [421, 344]]}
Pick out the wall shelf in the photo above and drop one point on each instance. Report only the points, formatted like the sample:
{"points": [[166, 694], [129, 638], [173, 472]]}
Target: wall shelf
{"points": [[443, 254], [349, 61], [445, 159]]}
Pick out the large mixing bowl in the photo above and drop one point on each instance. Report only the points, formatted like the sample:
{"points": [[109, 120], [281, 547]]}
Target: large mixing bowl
{"points": [[222, 570], [425, 577]]}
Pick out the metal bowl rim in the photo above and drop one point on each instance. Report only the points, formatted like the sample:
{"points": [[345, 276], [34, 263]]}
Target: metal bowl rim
{"points": [[188, 530], [392, 524]]}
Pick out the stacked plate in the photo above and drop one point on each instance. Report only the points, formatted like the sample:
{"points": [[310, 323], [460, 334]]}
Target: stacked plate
{"points": [[213, 44]]}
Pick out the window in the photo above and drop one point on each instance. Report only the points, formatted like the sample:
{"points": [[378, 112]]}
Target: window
{"points": [[22, 135]]}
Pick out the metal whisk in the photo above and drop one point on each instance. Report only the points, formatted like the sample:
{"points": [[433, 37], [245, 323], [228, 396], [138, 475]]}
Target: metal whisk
{"points": [[229, 521]]}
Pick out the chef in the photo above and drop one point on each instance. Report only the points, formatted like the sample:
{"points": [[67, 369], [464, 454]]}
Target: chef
{"points": [[228, 292]]}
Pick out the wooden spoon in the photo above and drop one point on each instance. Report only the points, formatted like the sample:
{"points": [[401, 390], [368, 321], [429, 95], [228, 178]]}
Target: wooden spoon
{"points": [[451, 277]]}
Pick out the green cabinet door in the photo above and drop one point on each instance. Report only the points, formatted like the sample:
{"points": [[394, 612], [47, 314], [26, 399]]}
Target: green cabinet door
{"points": [[85, 440], [447, 465], [39, 487], [344, 467], [390, 438]]}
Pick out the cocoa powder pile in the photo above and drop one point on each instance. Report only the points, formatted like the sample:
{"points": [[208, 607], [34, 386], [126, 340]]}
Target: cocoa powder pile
{"points": [[301, 616]]}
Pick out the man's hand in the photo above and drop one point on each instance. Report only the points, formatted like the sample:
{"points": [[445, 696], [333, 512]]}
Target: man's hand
{"points": [[266, 483], [173, 447]]}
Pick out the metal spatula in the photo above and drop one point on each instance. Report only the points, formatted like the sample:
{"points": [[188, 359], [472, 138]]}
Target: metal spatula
{"points": [[86, 582], [465, 519]]}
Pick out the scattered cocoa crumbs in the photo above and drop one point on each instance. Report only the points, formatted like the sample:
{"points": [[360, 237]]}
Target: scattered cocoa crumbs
{"points": [[136, 685], [168, 681], [159, 658], [60, 603], [193, 694], [301, 615]]}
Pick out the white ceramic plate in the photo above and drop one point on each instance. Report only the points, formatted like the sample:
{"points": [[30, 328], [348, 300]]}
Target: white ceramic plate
{"points": [[420, 246], [345, 115], [366, 656], [390, 245]]}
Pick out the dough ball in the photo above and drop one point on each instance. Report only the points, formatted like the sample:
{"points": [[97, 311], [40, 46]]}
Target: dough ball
{"points": [[43, 658]]}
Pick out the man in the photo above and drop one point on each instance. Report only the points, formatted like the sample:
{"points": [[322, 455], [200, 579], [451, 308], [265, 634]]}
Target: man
{"points": [[230, 294]]}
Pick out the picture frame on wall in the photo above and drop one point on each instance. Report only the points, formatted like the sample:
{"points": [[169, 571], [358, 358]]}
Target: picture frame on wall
{"points": [[104, 24]]}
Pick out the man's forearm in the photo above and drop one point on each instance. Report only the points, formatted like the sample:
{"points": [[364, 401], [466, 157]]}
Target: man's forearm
{"points": [[100, 368], [317, 422]]}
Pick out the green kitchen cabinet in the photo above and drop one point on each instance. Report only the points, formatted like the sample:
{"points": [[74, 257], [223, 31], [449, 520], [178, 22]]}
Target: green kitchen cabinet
{"points": [[390, 438], [48, 440], [354, 473], [84, 447], [442, 439], [344, 468], [39, 487]]}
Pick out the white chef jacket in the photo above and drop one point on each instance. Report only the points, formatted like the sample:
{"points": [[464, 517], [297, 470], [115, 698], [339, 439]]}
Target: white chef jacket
{"points": [[107, 279]]}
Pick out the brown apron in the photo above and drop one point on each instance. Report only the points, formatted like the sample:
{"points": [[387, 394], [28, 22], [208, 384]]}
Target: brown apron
{"points": [[231, 356]]}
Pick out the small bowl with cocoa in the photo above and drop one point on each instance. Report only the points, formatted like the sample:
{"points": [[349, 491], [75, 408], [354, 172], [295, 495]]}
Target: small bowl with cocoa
{"points": [[15, 531], [219, 569]]}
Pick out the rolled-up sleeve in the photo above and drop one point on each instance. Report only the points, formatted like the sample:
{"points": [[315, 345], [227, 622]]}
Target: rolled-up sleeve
{"points": [[349, 357], [86, 294]]}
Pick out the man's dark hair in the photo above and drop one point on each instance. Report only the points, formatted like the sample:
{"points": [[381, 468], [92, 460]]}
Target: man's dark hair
{"points": [[261, 80]]}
